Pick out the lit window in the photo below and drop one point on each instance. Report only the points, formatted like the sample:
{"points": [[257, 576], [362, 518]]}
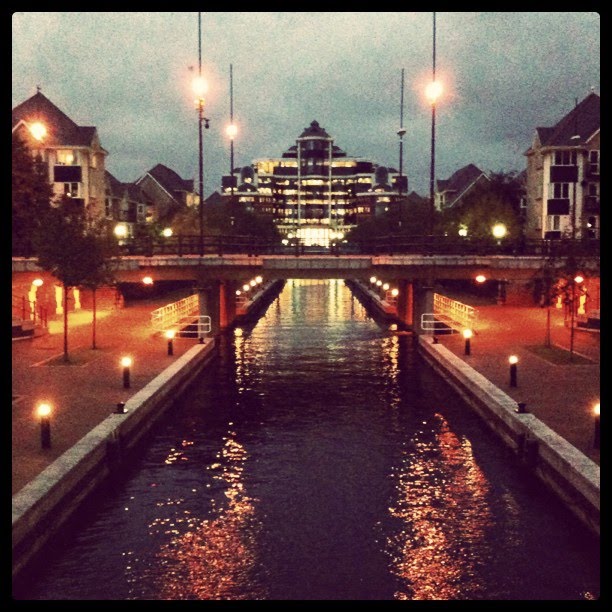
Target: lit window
{"points": [[65, 157], [71, 190]]}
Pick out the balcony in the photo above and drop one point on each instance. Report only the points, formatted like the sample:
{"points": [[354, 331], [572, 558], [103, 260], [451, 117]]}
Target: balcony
{"points": [[67, 174], [558, 206], [563, 174]]}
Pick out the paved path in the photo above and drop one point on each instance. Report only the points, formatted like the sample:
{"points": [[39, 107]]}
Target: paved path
{"points": [[562, 396], [83, 395]]}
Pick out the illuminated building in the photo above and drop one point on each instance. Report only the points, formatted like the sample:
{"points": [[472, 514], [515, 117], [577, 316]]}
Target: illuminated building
{"points": [[314, 191]]}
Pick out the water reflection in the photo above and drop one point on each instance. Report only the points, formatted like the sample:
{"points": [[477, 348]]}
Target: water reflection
{"points": [[214, 558], [442, 504]]}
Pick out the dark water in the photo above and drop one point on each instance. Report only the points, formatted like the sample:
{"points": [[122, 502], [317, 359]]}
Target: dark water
{"points": [[319, 458]]}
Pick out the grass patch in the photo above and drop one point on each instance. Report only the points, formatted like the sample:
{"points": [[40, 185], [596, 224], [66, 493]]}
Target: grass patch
{"points": [[558, 355]]}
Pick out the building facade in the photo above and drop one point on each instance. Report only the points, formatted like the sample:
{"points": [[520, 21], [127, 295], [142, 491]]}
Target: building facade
{"points": [[314, 191], [563, 176], [73, 154], [166, 192], [449, 192]]}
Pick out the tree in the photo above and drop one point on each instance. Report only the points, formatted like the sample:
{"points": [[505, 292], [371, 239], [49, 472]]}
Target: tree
{"points": [[70, 249], [31, 196], [488, 203]]}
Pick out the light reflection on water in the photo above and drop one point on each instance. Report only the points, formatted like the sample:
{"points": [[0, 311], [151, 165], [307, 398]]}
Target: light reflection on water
{"points": [[319, 458]]}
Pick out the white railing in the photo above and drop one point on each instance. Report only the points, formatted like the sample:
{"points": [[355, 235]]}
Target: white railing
{"points": [[456, 315], [438, 323], [193, 326], [168, 317]]}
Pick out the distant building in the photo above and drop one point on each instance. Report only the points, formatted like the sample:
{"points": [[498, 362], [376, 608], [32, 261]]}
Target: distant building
{"points": [[166, 192], [73, 154], [563, 175], [127, 204], [449, 192], [314, 190]]}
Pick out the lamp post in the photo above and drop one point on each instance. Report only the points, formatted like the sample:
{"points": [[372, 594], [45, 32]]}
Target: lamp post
{"points": [[433, 91], [401, 133], [577, 280], [200, 87], [231, 131], [44, 413]]}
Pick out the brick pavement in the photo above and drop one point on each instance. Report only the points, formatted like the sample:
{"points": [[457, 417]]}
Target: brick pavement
{"points": [[561, 396], [83, 395]]}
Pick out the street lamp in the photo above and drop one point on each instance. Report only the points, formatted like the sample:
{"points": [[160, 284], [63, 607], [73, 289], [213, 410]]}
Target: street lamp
{"points": [[200, 87], [38, 130], [577, 280], [433, 91], [231, 131], [499, 231], [167, 232]]}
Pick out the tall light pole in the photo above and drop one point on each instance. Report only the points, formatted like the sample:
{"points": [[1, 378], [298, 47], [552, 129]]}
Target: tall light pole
{"points": [[231, 131], [433, 91], [200, 88], [401, 133]]}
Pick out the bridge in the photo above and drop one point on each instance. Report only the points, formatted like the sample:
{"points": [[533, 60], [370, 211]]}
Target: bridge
{"points": [[412, 266]]}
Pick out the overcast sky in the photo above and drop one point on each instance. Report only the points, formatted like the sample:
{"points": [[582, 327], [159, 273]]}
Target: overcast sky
{"points": [[128, 74]]}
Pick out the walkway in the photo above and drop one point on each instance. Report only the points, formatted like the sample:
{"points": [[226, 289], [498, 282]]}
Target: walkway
{"points": [[562, 396], [85, 393]]}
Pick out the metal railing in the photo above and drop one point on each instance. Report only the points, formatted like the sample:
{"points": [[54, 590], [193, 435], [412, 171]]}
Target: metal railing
{"points": [[24, 309], [168, 317], [383, 245], [437, 323], [194, 326], [453, 313]]}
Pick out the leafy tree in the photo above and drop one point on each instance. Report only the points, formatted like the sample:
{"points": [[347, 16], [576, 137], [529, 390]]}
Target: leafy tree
{"points": [[72, 251], [414, 212], [488, 203], [31, 196]]}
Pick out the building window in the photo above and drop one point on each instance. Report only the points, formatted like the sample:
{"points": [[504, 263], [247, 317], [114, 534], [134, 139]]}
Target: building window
{"points": [[71, 190], [564, 158], [594, 162], [108, 208], [66, 157], [558, 191], [592, 189], [554, 222]]}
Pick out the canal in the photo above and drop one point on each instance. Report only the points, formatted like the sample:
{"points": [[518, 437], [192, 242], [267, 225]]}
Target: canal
{"points": [[319, 458]]}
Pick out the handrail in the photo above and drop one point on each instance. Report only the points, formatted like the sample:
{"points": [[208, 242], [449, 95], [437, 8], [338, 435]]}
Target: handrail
{"points": [[168, 316], [26, 310], [392, 244]]}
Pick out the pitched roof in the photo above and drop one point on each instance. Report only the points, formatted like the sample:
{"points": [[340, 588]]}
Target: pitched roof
{"points": [[170, 180], [61, 130], [461, 179], [582, 121]]}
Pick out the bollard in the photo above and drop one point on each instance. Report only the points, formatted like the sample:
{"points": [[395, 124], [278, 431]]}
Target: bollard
{"points": [[467, 334], [170, 335], [522, 408], [121, 409], [45, 431], [513, 360], [596, 432], [126, 362]]}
